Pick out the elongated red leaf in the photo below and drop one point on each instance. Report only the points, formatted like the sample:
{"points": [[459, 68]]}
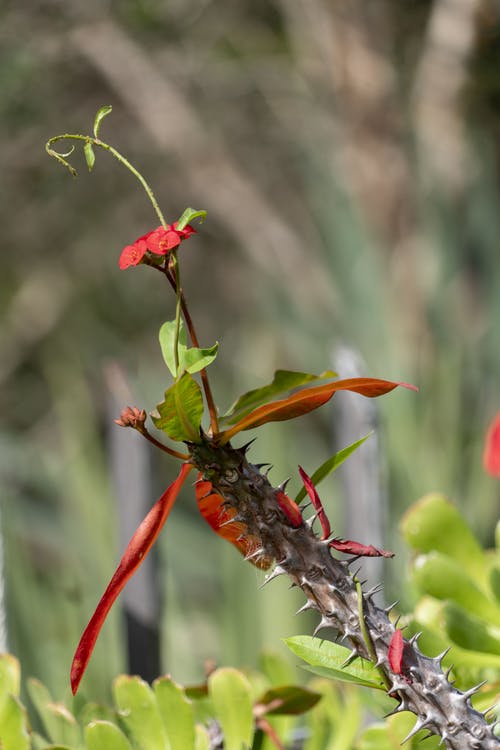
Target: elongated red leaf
{"points": [[318, 505], [284, 381], [219, 517], [137, 549], [307, 400], [395, 652], [491, 455], [358, 549]]}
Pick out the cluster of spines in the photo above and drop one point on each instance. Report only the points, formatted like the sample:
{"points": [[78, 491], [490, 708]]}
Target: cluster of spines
{"points": [[333, 590]]}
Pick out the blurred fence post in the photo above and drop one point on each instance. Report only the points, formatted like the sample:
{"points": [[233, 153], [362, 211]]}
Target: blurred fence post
{"points": [[3, 618], [364, 500], [131, 475]]}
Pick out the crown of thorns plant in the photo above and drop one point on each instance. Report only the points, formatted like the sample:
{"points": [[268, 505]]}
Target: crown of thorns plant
{"points": [[267, 525]]}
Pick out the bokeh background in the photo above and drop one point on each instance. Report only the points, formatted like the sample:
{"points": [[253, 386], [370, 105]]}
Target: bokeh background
{"points": [[347, 153]]}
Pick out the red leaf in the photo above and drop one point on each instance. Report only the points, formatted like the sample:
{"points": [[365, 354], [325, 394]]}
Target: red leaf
{"points": [[358, 549], [289, 508], [395, 653], [491, 455], [210, 505], [315, 499], [137, 549], [307, 400]]}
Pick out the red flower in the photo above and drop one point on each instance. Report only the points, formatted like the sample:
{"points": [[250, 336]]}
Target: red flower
{"points": [[491, 455], [159, 242]]}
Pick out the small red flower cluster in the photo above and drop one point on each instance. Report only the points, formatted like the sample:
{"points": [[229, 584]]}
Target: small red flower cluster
{"points": [[159, 241]]}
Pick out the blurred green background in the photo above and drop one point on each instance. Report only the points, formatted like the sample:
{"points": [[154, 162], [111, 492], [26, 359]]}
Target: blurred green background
{"points": [[347, 153]]}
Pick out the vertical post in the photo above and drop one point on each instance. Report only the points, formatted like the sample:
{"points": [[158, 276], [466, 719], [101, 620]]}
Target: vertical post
{"points": [[3, 618], [130, 469], [364, 500]]}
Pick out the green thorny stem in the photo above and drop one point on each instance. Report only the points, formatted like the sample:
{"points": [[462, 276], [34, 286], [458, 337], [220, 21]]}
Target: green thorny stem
{"points": [[337, 595], [181, 304]]}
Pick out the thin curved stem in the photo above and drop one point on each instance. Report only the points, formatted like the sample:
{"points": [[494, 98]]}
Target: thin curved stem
{"points": [[101, 144], [171, 452]]}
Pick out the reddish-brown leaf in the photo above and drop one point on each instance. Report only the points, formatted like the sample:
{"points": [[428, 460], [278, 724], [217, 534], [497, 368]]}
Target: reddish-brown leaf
{"points": [[289, 508], [137, 549], [395, 652], [358, 549], [219, 517], [491, 455], [307, 400], [315, 499]]}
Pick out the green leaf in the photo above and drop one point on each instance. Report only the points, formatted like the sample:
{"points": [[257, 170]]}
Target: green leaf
{"points": [[139, 712], [191, 359], [330, 465], [42, 700], [167, 344], [177, 713], [13, 725], [10, 676], [470, 632], [494, 581], [434, 523], [181, 412], [202, 739], [327, 659], [388, 736], [194, 359], [288, 700], [277, 669], [101, 114], [230, 692], [189, 215], [89, 155], [335, 721], [103, 735], [443, 578], [283, 381], [91, 712]]}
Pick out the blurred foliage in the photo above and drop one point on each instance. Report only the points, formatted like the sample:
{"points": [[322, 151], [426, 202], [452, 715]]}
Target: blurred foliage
{"points": [[230, 704], [457, 606], [347, 204]]}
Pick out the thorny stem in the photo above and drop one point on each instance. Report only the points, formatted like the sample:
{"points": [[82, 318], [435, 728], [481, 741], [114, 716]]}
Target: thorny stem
{"points": [[97, 142], [335, 592], [171, 452]]}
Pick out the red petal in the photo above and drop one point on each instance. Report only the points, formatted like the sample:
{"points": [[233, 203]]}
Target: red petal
{"points": [[318, 505], [136, 551], [210, 505], [307, 400], [161, 241], [395, 653], [131, 255], [491, 455], [358, 549]]}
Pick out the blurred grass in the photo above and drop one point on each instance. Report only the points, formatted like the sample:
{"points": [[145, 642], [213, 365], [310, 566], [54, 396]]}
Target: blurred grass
{"points": [[326, 224]]}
